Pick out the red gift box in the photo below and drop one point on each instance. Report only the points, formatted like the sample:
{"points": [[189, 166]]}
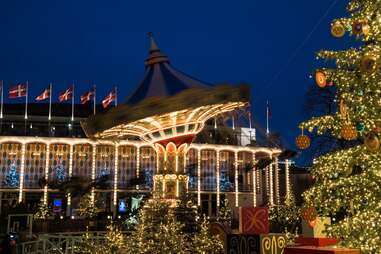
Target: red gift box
{"points": [[254, 220], [318, 242], [319, 250]]}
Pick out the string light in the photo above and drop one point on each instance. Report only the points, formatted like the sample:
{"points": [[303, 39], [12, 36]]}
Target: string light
{"points": [[22, 169]]}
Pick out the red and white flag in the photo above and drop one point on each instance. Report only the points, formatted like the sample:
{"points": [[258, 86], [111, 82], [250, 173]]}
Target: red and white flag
{"points": [[45, 95], [108, 99], [17, 91], [66, 95], [87, 97]]}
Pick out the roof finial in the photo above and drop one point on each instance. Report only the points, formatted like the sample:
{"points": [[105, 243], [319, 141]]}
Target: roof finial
{"points": [[153, 46], [155, 56]]}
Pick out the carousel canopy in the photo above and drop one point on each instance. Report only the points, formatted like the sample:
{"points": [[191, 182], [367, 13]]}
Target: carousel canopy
{"points": [[165, 105], [161, 79]]}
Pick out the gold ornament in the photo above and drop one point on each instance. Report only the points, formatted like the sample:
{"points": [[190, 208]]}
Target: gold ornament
{"points": [[348, 132], [337, 29], [343, 109], [303, 141], [320, 79], [372, 143], [365, 29], [368, 63]]}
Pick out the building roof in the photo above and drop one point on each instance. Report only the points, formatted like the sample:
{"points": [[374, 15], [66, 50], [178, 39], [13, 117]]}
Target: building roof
{"points": [[160, 78]]}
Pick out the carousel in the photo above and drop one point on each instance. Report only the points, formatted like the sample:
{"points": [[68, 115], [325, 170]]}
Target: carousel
{"points": [[167, 110]]}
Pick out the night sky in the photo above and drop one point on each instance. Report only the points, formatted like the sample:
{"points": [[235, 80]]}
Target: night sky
{"points": [[105, 42]]}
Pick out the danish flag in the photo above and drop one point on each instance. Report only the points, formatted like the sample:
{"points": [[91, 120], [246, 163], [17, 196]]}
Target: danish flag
{"points": [[45, 94], [108, 99], [87, 96], [65, 95], [17, 91]]}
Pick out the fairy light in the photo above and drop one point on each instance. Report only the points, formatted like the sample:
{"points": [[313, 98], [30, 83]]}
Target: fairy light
{"points": [[254, 182], [270, 168], [287, 178], [137, 164], [276, 175], [218, 177], [46, 173], [236, 178], [93, 164], [70, 174], [115, 199], [22, 169], [199, 177]]}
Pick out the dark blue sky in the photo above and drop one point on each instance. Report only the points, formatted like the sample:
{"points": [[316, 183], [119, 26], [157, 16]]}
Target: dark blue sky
{"points": [[105, 42]]}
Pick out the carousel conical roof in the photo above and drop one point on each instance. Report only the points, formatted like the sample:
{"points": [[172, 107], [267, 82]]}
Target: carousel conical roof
{"points": [[161, 79]]}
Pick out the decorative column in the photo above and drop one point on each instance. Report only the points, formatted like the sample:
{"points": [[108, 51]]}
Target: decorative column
{"points": [[236, 178], [199, 177], [68, 208], [115, 196], [218, 177], [254, 172], [267, 183], [46, 173], [170, 179], [93, 164], [22, 169]]}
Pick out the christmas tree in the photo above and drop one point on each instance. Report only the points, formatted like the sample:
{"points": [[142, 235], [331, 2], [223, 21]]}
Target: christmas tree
{"points": [[204, 242], [59, 172], [12, 178], [87, 208], [348, 182], [43, 211]]}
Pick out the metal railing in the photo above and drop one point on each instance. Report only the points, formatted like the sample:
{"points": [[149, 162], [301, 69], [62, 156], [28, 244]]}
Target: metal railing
{"points": [[62, 243]]}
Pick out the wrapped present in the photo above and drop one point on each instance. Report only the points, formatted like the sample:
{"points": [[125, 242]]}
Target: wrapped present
{"points": [[254, 220], [318, 242], [256, 244], [319, 250], [272, 243], [316, 227]]}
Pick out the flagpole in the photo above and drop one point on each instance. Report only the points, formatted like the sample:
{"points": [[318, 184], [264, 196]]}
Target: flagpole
{"points": [[267, 118], [72, 105], [116, 96], [26, 101], [95, 98], [50, 102]]}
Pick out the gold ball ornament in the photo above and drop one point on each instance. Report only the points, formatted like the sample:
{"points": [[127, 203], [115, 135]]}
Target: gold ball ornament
{"points": [[368, 63], [348, 132], [372, 143], [337, 29], [321, 79], [303, 141], [365, 29]]}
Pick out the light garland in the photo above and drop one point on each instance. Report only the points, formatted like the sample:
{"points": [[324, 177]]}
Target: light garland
{"points": [[254, 182], [236, 178], [218, 177], [22, 172], [45, 199]]}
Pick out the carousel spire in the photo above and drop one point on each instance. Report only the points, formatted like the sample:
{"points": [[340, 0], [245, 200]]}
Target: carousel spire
{"points": [[155, 55], [153, 45]]}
